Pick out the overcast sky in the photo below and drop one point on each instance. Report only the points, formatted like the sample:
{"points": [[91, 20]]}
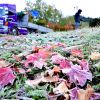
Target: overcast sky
{"points": [[90, 8]]}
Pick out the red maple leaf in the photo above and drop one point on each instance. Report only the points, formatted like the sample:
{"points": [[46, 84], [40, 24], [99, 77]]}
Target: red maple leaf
{"points": [[77, 52], [6, 76]]}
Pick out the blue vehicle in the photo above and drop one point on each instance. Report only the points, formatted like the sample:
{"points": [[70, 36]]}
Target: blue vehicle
{"points": [[10, 24], [8, 20]]}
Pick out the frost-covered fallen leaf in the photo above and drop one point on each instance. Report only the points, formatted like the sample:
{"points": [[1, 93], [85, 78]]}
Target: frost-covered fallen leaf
{"points": [[6, 77], [61, 88], [95, 56], [3, 63]]}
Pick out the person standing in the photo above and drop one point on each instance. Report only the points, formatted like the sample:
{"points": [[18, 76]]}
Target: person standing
{"points": [[77, 19]]}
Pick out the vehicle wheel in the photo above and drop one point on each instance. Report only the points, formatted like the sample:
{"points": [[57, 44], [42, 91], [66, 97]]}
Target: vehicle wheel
{"points": [[15, 31]]}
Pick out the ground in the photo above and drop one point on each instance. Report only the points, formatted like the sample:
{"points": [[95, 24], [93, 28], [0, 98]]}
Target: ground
{"points": [[26, 57]]}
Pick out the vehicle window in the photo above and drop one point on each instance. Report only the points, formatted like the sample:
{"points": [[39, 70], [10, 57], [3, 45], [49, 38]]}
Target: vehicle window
{"points": [[10, 13], [2, 12]]}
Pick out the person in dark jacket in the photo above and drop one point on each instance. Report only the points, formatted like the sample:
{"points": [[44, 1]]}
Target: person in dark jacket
{"points": [[77, 19]]}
